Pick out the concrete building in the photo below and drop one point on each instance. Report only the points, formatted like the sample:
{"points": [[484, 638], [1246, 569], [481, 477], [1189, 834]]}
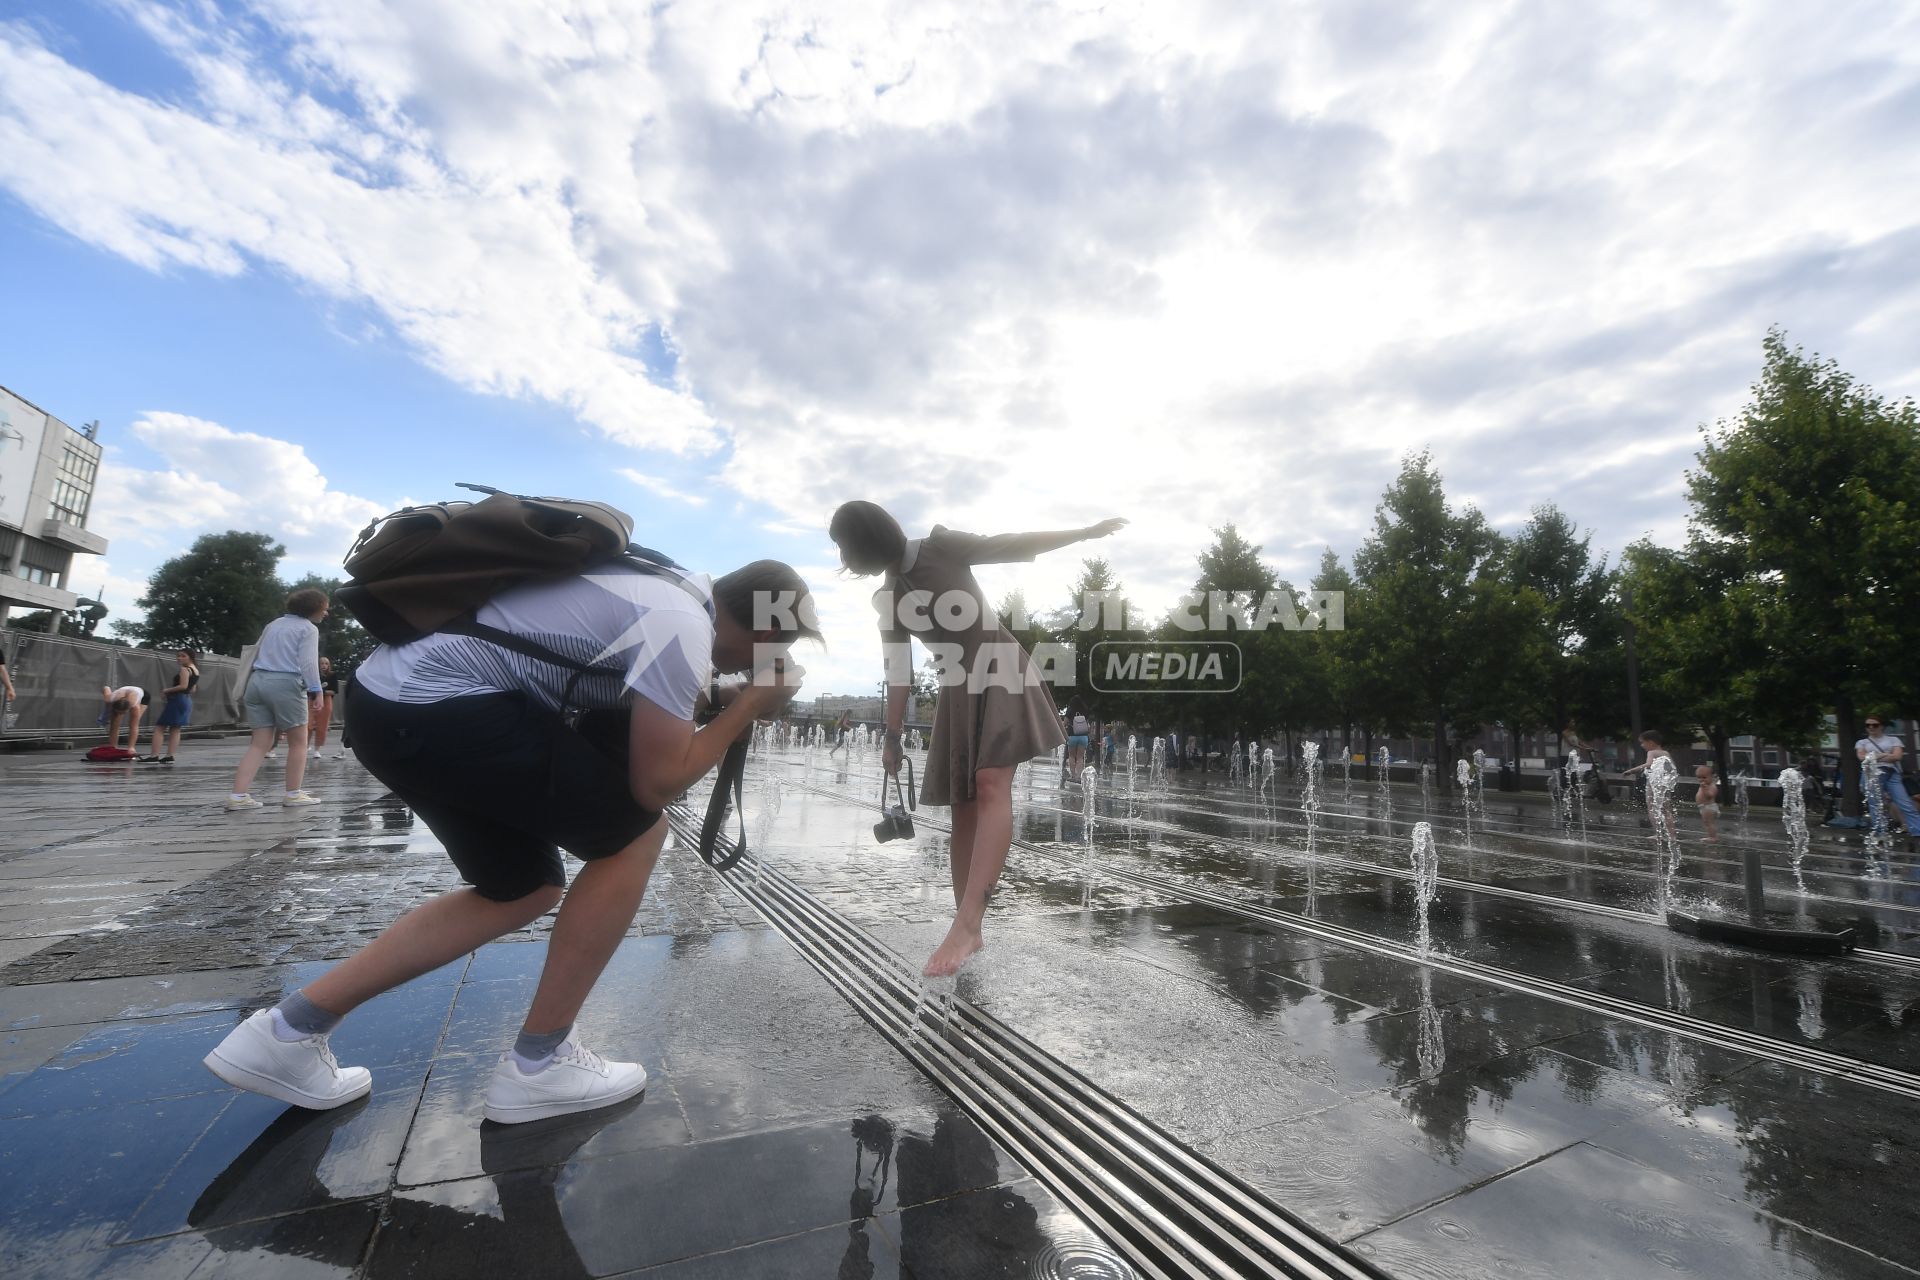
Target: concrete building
{"points": [[47, 475]]}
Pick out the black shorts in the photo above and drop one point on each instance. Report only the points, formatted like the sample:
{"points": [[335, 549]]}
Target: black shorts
{"points": [[501, 781]]}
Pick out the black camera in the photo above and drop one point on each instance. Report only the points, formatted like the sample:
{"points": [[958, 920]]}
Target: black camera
{"points": [[896, 825], [896, 822]]}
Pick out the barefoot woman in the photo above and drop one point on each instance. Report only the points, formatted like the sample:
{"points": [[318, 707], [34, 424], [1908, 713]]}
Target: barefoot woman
{"points": [[993, 712]]}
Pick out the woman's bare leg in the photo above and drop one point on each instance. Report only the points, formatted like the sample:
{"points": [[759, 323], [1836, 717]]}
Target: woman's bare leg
{"points": [[960, 846], [257, 747], [296, 757], [992, 835]]}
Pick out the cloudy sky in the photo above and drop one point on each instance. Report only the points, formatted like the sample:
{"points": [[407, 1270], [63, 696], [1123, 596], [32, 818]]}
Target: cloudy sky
{"points": [[995, 265]]}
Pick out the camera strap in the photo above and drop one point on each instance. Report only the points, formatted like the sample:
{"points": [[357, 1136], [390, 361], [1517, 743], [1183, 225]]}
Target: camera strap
{"points": [[908, 800], [733, 769]]}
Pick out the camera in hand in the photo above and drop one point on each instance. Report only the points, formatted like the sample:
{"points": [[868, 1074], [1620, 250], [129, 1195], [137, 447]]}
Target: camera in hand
{"points": [[896, 822], [896, 825]]}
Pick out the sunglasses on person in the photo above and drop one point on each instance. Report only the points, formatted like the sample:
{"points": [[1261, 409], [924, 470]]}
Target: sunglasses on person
{"points": [[1873, 724]]}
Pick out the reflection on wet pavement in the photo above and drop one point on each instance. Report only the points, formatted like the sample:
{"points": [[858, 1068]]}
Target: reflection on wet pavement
{"points": [[1367, 1094], [1438, 1124]]}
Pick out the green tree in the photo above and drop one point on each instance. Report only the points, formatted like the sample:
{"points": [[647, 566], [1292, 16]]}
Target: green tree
{"points": [[1233, 581], [214, 598], [1332, 674], [1806, 505], [1705, 656], [1096, 610], [1428, 611], [1569, 668]]}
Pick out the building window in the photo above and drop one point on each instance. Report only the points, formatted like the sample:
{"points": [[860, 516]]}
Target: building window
{"points": [[73, 487], [34, 573]]}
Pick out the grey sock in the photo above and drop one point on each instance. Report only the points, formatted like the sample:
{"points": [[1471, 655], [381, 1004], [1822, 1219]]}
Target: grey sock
{"points": [[306, 1017], [536, 1046]]}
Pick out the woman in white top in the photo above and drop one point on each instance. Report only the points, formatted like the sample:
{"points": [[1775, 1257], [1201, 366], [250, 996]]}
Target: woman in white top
{"points": [[285, 678]]}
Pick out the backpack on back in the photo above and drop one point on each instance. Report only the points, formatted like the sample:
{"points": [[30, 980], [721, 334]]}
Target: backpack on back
{"points": [[430, 568], [419, 569]]}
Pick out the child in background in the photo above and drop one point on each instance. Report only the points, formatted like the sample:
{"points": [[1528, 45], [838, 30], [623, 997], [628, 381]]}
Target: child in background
{"points": [[1707, 798]]}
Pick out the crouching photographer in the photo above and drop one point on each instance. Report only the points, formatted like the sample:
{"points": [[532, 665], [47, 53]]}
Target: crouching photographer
{"points": [[473, 725]]}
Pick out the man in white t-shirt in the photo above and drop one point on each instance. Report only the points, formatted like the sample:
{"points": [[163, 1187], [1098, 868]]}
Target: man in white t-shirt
{"points": [[1892, 751], [470, 732]]}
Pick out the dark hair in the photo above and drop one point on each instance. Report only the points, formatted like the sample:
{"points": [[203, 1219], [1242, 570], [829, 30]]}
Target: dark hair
{"points": [[1651, 736], [1075, 706], [307, 601], [869, 539], [768, 593], [193, 655]]}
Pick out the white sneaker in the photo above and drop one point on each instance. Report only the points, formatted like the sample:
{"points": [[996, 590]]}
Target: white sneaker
{"points": [[237, 803], [297, 798], [299, 1072], [575, 1079]]}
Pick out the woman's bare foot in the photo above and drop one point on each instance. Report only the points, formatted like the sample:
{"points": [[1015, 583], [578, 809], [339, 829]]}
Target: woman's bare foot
{"points": [[952, 955]]}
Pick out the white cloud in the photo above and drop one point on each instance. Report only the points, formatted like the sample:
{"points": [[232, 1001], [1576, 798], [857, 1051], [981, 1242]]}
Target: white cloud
{"points": [[660, 488], [1018, 265], [211, 479]]}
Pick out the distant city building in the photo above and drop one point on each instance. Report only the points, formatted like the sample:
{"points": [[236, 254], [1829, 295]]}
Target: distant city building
{"points": [[47, 475]]}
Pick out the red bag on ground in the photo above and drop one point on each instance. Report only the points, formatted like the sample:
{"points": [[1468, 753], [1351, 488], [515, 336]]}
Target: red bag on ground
{"points": [[108, 755]]}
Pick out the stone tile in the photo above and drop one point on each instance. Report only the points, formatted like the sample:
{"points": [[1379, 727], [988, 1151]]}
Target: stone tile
{"points": [[451, 1140], [634, 1210], [1014, 1231], [69, 1181], [1838, 1158], [309, 1246], [262, 1159], [1343, 1169], [1587, 1212], [123, 1062], [858, 1249]]}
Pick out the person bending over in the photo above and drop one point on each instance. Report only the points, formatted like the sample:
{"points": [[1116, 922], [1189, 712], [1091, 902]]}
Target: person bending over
{"points": [[472, 737], [127, 703], [993, 711]]}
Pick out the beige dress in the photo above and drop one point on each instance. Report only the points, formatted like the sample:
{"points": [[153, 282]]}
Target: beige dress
{"points": [[1001, 713]]}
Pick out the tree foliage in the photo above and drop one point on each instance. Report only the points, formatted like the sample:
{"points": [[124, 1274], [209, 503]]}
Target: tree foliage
{"points": [[1430, 607], [215, 598], [1804, 508]]}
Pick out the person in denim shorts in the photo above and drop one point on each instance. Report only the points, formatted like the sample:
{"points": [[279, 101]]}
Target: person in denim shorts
{"points": [[284, 679]]}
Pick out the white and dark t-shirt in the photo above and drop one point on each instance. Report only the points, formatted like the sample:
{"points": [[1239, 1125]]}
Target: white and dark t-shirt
{"points": [[650, 628], [1885, 743]]}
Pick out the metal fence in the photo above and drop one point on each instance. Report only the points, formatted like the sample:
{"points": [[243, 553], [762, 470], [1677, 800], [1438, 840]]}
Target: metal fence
{"points": [[58, 679]]}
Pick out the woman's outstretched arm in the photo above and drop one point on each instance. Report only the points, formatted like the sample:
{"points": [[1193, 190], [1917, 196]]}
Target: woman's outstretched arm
{"points": [[1002, 548]]}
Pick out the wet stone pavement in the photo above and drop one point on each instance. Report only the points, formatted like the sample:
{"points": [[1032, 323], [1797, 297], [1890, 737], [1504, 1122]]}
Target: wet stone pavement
{"points": [[1434, 1124], [778, 1135]]}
